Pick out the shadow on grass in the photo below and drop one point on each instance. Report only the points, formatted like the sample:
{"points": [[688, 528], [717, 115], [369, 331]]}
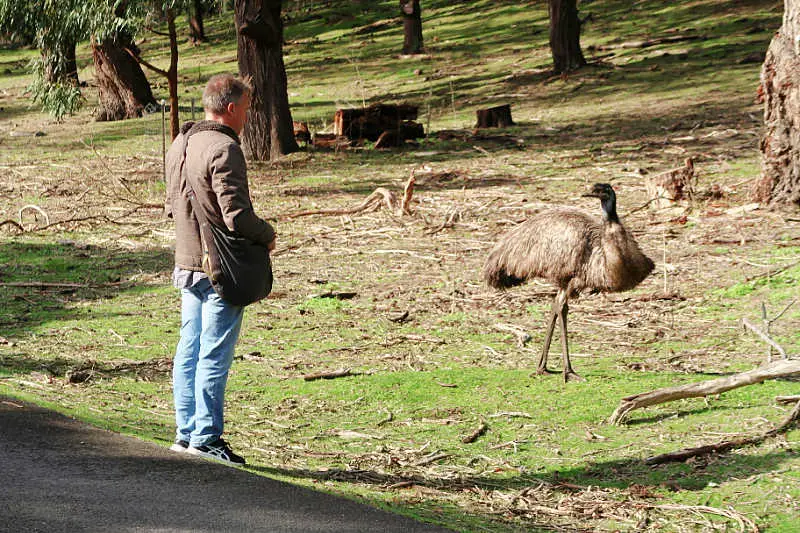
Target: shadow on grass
{"points": [[42, 282], [614, 474]]}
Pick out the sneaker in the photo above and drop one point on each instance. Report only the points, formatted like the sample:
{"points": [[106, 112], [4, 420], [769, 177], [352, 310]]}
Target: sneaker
{"points": [[180, 445], [218, 451]]}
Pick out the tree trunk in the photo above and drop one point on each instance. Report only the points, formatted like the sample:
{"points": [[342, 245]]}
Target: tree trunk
{"points": [[197, 32], [780, 146], [172, 75], [565, 33], [60, 64], [123, 89], [412, 26], [269, 132]]}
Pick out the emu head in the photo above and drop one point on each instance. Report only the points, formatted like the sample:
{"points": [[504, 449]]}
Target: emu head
{"points": [[608, 200]]}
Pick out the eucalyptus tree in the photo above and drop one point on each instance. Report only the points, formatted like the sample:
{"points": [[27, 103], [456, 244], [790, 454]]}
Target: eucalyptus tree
{"points": [[123, 89], [57, 27], [780, 144], [565, 33], [269, 131], [412, 26], [196, 11]]}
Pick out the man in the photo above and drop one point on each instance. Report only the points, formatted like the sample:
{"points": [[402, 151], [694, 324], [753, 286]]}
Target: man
{"points": [[214, 170]]}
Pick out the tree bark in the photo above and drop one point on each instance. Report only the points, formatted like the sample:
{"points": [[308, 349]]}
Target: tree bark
{"points": [[269, 131], [778, 369], [779, 182], [412, 26], [123, 89], [197, 32], [172, 75], [565, 33]]}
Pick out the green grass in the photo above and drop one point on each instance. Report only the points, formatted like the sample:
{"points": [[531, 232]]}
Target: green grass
{"points": [[420, 386]]}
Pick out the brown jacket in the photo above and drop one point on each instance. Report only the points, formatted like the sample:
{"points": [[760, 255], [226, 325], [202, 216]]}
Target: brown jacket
{"points": [[216, 169]]}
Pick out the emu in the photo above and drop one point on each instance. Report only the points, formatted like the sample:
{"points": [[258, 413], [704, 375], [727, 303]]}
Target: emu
{"points": [[575, 252]]}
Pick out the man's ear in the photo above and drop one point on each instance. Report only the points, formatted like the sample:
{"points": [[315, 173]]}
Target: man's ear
{"points": [[230, 107]]}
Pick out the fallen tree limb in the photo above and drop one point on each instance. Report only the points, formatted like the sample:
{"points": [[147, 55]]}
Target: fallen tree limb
{"points": [[14, 223], [788, 399], [723, 446], [472, 437], [779, 369], [373, 202], [764, 337], [329, 375], [380, 197]]}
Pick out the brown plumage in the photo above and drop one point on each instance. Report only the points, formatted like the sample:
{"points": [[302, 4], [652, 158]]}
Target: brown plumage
{"points": [[575, 252]]}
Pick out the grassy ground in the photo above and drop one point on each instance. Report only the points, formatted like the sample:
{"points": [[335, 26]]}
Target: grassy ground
{"points": [[94, 339]]}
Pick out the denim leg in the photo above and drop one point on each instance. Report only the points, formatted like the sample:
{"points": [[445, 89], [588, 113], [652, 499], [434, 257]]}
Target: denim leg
{"points": [[185, 362], [221, 325]]}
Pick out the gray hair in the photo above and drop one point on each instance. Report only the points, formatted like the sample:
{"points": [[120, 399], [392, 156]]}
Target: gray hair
{"points": [[223, 89]]}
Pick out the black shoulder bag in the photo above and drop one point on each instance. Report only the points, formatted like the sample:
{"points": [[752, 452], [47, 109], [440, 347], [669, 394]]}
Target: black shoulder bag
{"points": [[239, 269]]}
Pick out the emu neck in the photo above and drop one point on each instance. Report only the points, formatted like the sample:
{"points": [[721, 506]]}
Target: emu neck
{"points": [[610, 209]]}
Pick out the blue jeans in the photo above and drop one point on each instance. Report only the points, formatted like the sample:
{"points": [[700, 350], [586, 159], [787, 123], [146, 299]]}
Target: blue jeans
{"points": [[209, 330]]}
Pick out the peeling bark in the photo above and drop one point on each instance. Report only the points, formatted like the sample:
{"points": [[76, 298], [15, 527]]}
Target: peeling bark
{"points": [[779, 182]]}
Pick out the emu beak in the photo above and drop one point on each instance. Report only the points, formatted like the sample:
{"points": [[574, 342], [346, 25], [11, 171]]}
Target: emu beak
{"points": [[590, 195]]}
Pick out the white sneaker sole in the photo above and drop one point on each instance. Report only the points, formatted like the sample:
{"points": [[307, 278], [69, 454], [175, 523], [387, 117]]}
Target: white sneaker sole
{"points": [[217, 458], [178, 448]]}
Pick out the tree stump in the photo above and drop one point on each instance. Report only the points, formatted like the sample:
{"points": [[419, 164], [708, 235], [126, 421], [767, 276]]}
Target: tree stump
{"points": [[495, 117], [394, 122]]}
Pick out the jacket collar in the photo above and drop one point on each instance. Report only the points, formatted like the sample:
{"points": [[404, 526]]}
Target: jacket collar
{"points": [[190, 128]]}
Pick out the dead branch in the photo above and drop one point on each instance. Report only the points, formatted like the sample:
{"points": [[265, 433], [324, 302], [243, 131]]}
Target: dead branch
{"points": [[726, 445], [373, 202], [764, 337], [788, 399], [472, 437], [33, 208], [329, 375], [14, 223], [432, 458], [522, 337], [775, 370], [380, 197], [408, 192]]}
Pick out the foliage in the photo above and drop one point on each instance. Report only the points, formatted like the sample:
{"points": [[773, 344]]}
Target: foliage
{"points": [[58, 25], [59, 98]]}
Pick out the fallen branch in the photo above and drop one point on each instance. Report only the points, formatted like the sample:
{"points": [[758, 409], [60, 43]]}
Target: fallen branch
{"points": [[373, 202], [778, 369], [788, 399], [764, 337], [329, 375], [726, 445], [380, 197], [10, 222], [522, 337], [31, 207], [472, 437]]}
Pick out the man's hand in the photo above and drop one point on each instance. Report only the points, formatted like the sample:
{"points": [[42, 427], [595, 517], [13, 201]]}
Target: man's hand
{"points": [[271, 245]]}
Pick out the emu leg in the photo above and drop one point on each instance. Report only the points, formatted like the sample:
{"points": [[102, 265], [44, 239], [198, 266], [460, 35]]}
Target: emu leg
{"points": [[548, 337], [569, 374]]}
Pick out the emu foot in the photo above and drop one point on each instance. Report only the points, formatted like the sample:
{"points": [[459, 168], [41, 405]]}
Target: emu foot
{"points": [[541, 371], [572, 376]]}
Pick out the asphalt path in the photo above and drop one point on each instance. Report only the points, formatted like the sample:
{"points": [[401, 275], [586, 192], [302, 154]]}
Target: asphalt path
{"points": [[61, 475]]}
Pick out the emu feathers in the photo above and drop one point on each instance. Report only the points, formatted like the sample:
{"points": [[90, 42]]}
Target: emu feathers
{"points": [[575, 252]]}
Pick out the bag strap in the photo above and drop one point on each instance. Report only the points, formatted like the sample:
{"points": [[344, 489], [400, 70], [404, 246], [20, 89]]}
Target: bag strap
{"points": [[189, 129]]}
